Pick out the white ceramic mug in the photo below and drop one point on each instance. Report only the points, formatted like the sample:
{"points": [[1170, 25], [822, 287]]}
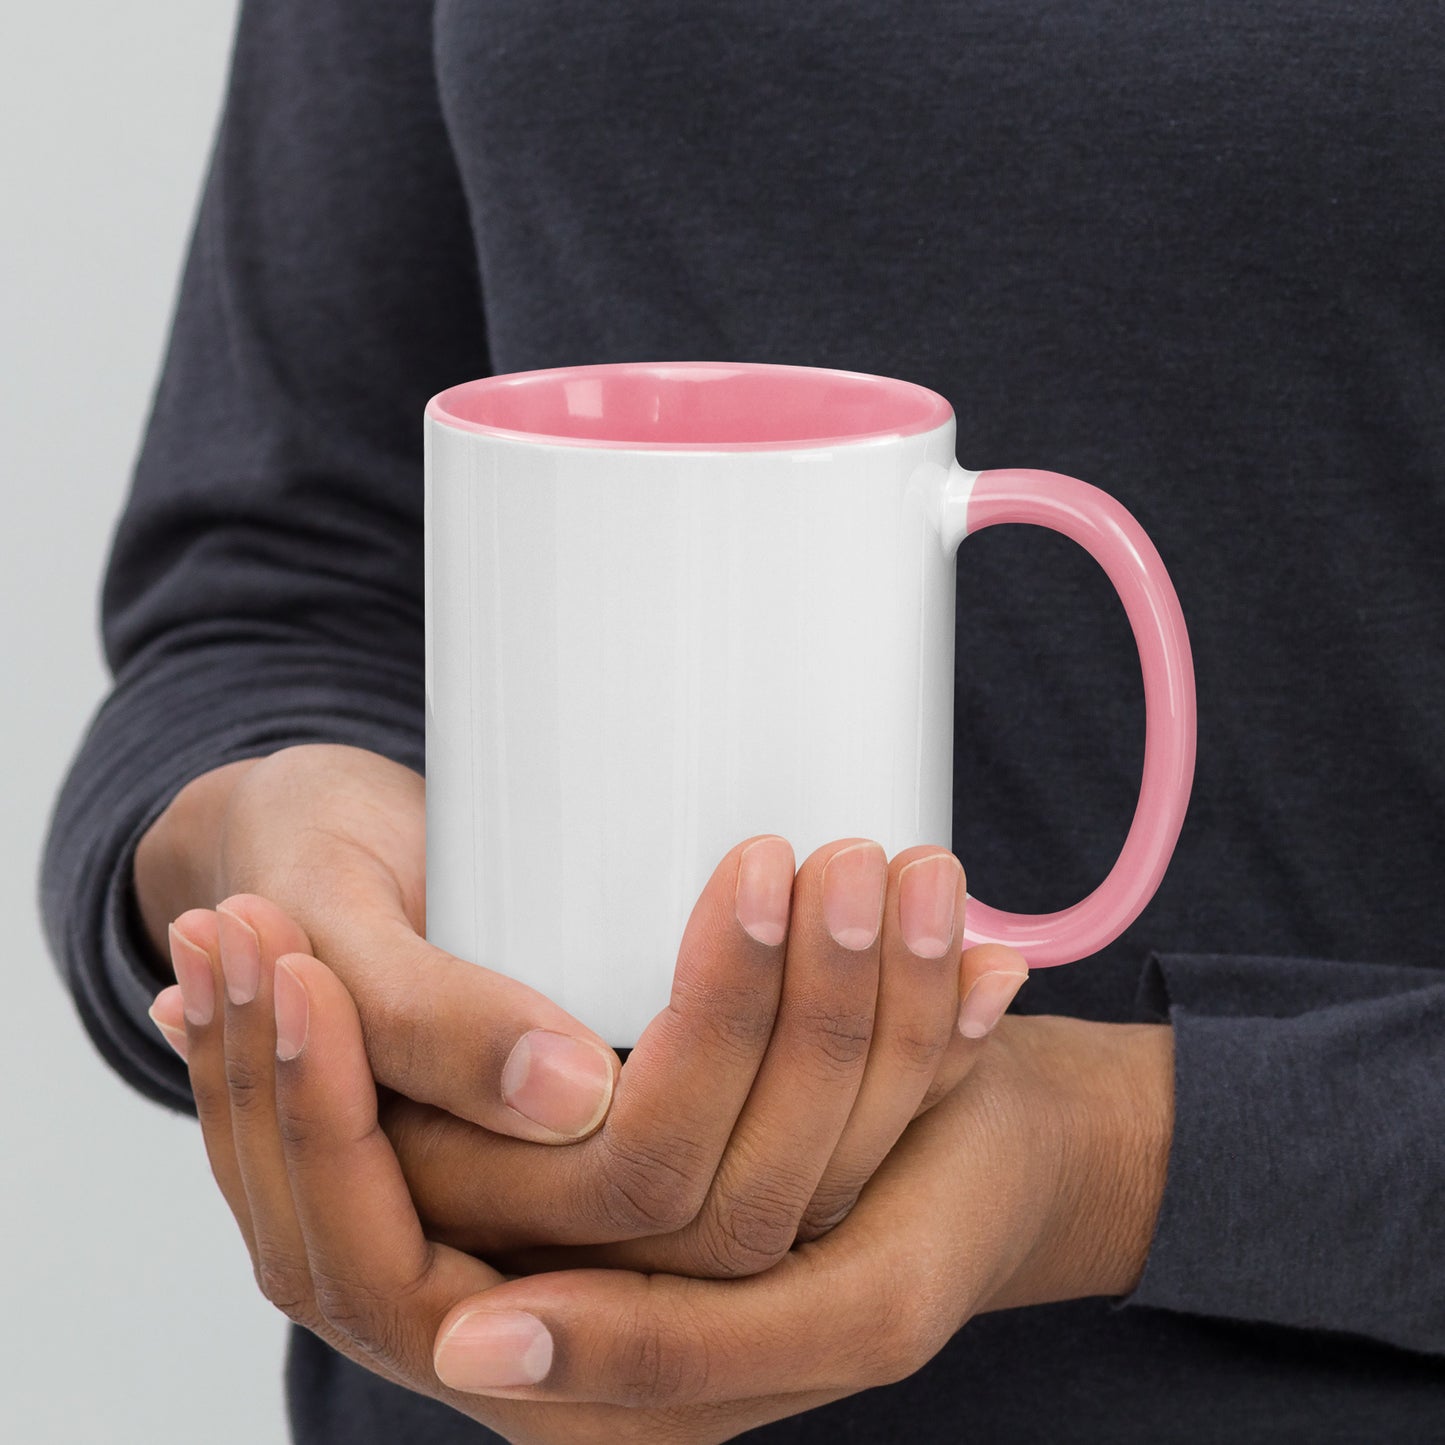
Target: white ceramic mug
{"points": [[671, 605]]}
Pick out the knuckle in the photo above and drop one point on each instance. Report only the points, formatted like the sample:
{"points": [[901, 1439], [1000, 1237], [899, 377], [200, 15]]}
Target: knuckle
{"points": [[649, 1187], [301, 1134], [288, 1286], [349, 1315], [919, 1046], [746, 1235], [213, 1103], [734, 1020], [911, 1327], [654, 1367], [304, 1133], [837, 1039], [360, 1313], [250, 1085], [826, 1213]]}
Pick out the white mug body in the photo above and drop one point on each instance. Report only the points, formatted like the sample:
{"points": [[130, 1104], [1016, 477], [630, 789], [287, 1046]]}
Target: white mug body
{"points": [[638, 658]]}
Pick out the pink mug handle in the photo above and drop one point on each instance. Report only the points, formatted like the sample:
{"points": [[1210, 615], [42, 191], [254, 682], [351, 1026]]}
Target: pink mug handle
{"points": [[1108, 532]]}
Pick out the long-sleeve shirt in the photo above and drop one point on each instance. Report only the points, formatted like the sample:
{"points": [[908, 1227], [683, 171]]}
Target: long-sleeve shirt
{"points": [[1191, 253]]}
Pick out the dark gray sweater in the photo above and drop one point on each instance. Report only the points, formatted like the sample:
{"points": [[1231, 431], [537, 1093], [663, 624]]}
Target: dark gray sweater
{"points": [[1190, 252]]}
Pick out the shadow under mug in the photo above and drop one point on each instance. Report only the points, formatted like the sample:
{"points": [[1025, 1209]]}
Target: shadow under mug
{"points": [[671, 605]]}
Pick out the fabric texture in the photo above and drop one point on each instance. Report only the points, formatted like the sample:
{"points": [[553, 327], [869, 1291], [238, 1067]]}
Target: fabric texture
{"points": [[1191, 255]]}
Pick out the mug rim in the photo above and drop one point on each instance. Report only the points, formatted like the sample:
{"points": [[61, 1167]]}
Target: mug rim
{"points": [[779, 398]]}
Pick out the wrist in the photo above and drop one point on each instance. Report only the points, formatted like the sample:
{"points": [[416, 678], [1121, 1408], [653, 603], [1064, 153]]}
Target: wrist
{"points": [[177, 861], [1104, 1094]]}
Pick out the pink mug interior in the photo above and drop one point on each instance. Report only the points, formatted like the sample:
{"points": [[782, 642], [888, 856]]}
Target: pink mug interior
{"points": [[692, 405]]}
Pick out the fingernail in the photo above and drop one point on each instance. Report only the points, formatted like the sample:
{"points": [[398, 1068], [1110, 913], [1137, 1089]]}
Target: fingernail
{"points": [[293, 1012], [986, 1002], [927, 904], [853, 884], [168, 1003], [240, 957], [765, 887], [560, 1082], [491, 1348], [193, 972]]}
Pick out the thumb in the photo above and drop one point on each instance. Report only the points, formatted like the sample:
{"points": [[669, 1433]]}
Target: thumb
{"points": [[479, 1044], [447, 1032]]}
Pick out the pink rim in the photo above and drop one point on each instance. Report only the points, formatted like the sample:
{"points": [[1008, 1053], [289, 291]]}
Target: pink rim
{"points": [[691, 406], [1119, 544]]}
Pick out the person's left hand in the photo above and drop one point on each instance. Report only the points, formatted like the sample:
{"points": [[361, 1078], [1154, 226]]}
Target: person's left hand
{"points": [[1037, 1180]]}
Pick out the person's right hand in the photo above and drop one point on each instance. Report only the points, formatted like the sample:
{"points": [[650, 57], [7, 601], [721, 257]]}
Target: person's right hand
{"points": [[335, 838], [757, 1105], [810, 1020]]}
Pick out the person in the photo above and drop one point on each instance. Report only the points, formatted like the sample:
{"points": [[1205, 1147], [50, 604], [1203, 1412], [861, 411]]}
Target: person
{"points": [[1188, 1189]]}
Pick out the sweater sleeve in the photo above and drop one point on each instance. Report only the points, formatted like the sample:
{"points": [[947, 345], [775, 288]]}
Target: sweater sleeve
{"points": [[1306, 1179], [264, 586]]}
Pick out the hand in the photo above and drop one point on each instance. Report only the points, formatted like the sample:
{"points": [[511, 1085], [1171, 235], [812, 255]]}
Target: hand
{"points": [[1039, 1181], [336, 838], [758, 1104], [754, 1108]]}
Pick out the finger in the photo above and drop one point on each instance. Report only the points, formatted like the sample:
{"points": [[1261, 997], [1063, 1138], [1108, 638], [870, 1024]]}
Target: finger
{"points": [[253, 933], [196, 959], [685, 1084], [868, 1305], [667, 1342], [168, 1014], [915, 1020], [802, 1098], [376, 1280], [990, 976], [449, 1032], [805, 1089], [195, 940], [383, 1288], [677, 1100], [375, 1286]]}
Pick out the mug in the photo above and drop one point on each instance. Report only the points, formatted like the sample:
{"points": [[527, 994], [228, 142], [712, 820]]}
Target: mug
{"points": [[671, 605]]}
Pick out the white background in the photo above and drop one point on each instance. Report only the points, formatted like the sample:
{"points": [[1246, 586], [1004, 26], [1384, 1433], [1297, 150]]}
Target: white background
{"points": [[127, 1308]]}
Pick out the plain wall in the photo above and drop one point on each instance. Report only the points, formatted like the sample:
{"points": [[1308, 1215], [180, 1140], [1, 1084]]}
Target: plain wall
{"points": [[129, 1310]]}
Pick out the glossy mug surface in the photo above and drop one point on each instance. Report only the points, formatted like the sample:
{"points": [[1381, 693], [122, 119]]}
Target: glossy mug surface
{"points": [[671, 605]]}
